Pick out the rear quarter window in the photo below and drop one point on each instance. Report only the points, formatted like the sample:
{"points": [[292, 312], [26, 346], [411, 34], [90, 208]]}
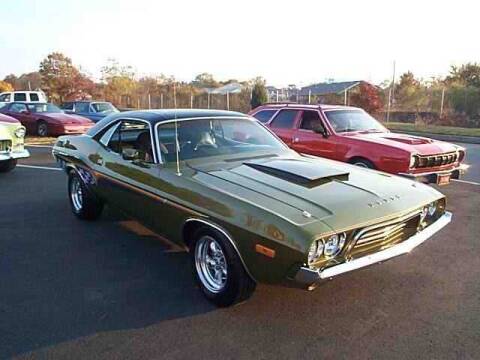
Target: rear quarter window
{"points": [[264, 115], [285, 119], [34, 97], [19, 97]]}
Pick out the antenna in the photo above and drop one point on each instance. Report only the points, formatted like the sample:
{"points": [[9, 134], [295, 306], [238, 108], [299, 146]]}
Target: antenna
{"points": [[177, 144]]}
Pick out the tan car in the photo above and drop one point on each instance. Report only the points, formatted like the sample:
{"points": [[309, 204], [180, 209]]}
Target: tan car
{"points": [[12, 135]]}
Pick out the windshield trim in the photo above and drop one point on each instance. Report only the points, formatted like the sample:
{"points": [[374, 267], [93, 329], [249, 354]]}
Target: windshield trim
{"points": [[248, 118]]}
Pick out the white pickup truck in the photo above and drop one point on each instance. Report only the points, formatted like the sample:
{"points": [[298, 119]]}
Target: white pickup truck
{"points": [[22, 96]]}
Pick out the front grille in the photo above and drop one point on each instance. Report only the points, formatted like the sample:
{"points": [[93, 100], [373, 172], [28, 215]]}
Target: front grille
{"points": [[385, 234], [5, 145], [436, 160]]}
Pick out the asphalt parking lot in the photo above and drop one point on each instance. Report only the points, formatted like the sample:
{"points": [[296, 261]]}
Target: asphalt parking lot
{"points": [[72, 289]]}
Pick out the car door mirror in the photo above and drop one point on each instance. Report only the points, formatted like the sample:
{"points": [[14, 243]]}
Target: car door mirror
{"points": [[130, 154], [25, 112]]}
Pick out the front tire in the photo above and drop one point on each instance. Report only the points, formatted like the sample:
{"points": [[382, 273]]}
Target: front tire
{"points": [[218, 269], [42, 129], [363, 163], [8, 165], [83, 203]]}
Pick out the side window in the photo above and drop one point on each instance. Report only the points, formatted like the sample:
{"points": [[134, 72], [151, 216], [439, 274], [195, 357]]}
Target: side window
{"points": [[34, 97], [81, 107], [264, 115], [67, 106], [132, 140], [17, 108], [19, 97], [285, 119], [5, 97], [311, 121]]}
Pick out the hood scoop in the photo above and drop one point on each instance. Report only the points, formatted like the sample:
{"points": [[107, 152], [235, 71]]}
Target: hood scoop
{"points": [[410, 140], [299, 172]]}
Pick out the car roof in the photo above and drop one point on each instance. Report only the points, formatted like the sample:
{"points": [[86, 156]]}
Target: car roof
{"points": [[304, 106], [160, 115]]}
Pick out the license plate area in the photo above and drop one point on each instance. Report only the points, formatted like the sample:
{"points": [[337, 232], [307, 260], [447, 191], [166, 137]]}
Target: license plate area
{"points": [[443, 179]]}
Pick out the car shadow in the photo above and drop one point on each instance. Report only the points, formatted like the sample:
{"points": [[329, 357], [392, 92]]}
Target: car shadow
{"points": [[63, 279]]}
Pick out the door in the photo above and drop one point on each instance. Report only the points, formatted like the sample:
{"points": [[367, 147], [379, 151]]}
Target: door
{"points": [[283, 124], [129, 171], [20, 112], [82, 109], [311, 136]]}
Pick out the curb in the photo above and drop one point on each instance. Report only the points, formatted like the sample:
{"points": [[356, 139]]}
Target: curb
{"points": [[442, 137]]}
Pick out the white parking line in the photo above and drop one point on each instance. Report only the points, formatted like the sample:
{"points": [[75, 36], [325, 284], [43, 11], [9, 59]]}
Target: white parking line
{"points": [[39, 146], [39, 167], [467, 182]]}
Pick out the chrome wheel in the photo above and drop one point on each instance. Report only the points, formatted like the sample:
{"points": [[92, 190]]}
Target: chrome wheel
{"points": [[210, 264], [361, 164], [42, 129], [76, 194]]}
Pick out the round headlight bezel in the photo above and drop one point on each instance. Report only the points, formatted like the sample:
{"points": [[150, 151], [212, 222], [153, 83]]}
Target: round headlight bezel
{"points": [[413, 161], [20, 132]]}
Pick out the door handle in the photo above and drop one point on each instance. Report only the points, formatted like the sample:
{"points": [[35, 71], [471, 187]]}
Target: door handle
{"points": [[296, 140]]}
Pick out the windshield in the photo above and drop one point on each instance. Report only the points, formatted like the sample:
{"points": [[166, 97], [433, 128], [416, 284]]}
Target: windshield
{"points": [[103, 107], [215, 137], [44, 108], [353, 120]]}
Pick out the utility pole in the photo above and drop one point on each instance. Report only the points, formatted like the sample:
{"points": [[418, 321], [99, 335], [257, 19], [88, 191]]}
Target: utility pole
{"points": [[208, 100], [309, 96], [228, 100], [391, 94], [161, 100], [277, 95], [149, 101], [191, 101], [346, 97], [441, 103]]}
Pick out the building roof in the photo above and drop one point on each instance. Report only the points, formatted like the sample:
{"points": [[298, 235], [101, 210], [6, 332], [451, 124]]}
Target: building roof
{"points": [[160, 115], [328, 88], [232, 88]]}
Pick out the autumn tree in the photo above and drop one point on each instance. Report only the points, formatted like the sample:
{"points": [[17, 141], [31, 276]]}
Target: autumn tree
{"points": [[466, 75], [5, 86], [259, 92], [27, 81], [367, 97], [205, 80], [61, 80]]}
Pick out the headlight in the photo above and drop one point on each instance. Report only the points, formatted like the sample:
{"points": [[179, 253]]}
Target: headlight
{"points": [[316, 250], [428, 212], [328, 247], [413, 161], [20, 132], [432, 208]]}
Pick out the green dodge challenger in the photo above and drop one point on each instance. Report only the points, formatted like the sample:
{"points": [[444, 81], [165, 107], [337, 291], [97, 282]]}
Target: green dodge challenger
{"points": [[248, 208]]}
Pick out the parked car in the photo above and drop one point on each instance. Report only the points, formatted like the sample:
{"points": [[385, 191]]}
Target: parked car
{"points": [[247, 207], [22, 96], [94, 110], [351, 135], [45, 119], [12, 135]]}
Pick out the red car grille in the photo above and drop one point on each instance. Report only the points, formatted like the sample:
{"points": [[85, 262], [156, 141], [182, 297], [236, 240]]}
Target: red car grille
{"points": [[436, 160], [5, 145]]}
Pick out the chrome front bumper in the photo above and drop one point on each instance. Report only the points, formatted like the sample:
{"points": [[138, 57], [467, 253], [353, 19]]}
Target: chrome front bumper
{"points": [[431, 177], [4, 156], [311, 278]]}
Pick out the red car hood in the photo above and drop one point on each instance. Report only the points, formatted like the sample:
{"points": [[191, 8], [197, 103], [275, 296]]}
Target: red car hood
{"points": [[414, 144], [68, 119], [8, 119]]}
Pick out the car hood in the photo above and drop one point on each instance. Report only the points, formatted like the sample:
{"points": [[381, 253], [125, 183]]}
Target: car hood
{"points": [[413, 144], [8, 119], [69, 119], [306, 189]]}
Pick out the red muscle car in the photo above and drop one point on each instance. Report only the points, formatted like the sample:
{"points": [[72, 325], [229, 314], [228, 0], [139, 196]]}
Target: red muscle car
{"points": [[351, 135], [45, 119]]}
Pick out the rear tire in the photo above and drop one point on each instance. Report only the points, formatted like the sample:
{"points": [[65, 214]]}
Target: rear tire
{"points": [[42, 128], [363, 163], [7, 165], [83, 203], [218, 269]]}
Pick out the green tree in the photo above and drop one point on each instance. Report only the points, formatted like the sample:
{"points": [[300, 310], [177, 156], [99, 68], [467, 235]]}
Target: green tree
{"points": [[466, 74], [259, 93], [61, 80], [410, 94], [119, 81], [205, 80]]}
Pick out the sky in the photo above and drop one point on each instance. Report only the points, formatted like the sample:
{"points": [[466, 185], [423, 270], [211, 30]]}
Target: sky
{"points": [[286, 42]]}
